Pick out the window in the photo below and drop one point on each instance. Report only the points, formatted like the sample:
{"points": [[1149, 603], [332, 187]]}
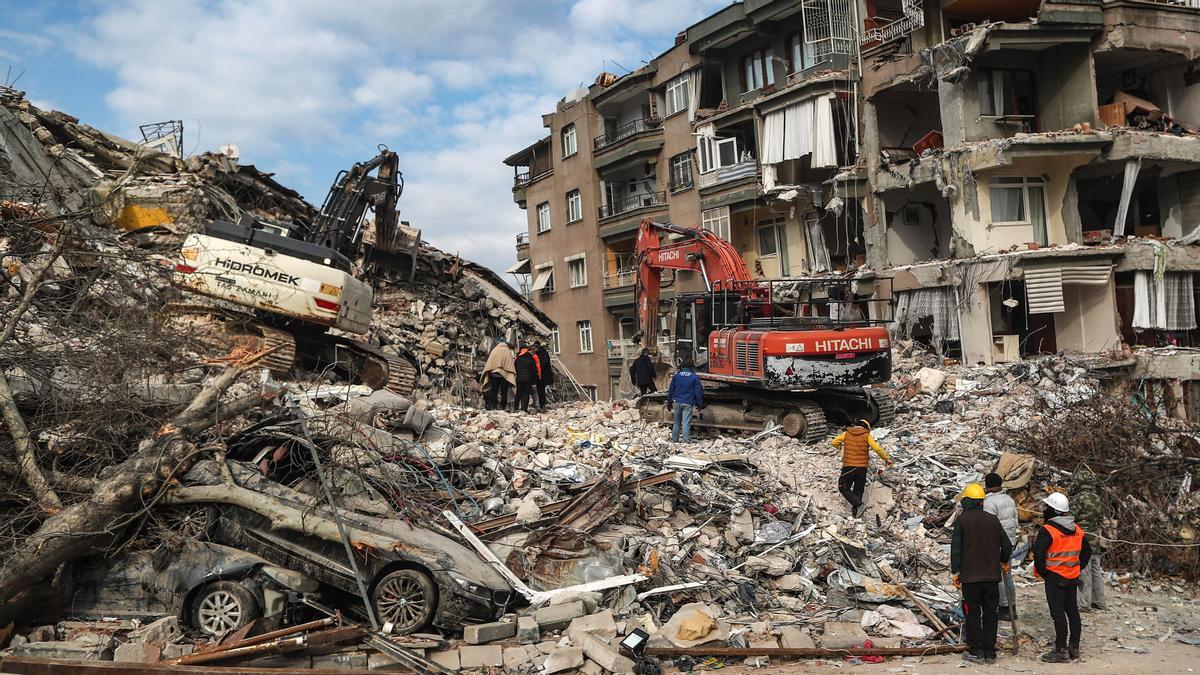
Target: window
{"points": [[544, 281], [802, 53], [772, 242], [574, 206], [1006, 92], [716, 221], [677, 95], [716, 153], [757, 70], [1018, 200], [681, 171], [543, 217], [577, 269], [555, 344], [585, 336], [590, 391], [568, 141]]}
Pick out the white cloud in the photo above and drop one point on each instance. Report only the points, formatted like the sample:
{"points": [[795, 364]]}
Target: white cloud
{"points": [[453, 85]]}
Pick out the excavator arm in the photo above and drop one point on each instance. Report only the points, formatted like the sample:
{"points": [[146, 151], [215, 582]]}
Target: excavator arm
{"points": [[696, 250], [339, 224]]}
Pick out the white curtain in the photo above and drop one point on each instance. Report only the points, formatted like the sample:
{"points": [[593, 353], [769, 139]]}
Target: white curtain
{"points": [[824, 151], [772, 140], [693, 89], [936, 304], [1166, 303], [799, 121], [769, 177], [1132, 167], [818, 252]]}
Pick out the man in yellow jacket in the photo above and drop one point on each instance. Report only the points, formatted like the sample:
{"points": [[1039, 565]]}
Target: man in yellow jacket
{"points": [[856, 444]]}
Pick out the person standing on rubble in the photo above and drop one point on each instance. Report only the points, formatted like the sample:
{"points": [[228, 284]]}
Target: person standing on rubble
{"points": [[545, 373], [979, 554], [528, 373], [1059, 553], [1089, 513], [685, 395], [499, 373], [641, 372], [856, 445], [999, 504]]}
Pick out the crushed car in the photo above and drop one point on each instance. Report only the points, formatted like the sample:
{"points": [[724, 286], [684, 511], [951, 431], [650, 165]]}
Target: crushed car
{"points": [[211, 588], [415, 577]]}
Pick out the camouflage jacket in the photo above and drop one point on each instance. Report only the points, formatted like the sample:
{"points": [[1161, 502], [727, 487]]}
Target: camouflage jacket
{"points": [[1087, 506]]}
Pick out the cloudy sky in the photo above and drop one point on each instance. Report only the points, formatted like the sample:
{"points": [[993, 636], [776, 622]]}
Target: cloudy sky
{"points": [[307, 87]]}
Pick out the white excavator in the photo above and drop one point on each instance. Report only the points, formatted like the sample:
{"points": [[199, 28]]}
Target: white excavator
{"points": [[284, 286]]}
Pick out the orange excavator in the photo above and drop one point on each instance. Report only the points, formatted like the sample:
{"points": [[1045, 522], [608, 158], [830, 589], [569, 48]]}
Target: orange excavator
{"points": [[793, 352]]}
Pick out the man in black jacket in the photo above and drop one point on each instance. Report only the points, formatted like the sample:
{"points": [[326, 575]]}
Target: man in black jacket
{"points": [[641, 372], [979, 553], [1059, 553], [546, 376], [527, 377]]}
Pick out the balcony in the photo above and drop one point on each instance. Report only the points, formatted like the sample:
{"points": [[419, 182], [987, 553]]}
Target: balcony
{"points": [[523, 178], [523, 246], [729, 174], [623, 349], [646, 200], [627, 130], [621, 278]]}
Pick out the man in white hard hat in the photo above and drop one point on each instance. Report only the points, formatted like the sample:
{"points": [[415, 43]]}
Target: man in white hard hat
{"points": [[1060, 552]]}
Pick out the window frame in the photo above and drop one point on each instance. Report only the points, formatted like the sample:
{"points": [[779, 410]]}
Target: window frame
{"points": [[574, 136], [720, 218], [684, 159], [583, 327], [988, 84], [574, 206], [1022, 183], [579, 261], [763, 76], [712, 148], [555, 341], [682, 95], [549, 287], [540, 228]]}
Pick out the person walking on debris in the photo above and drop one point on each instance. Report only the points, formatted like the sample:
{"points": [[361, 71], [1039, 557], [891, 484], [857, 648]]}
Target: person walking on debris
{"points": [[641, 373], [528, 373], [684, 395], [1059, 553], [979, 554], [1089, 513], [999, 504], [545, 374], [499, 373], [856, 444]]}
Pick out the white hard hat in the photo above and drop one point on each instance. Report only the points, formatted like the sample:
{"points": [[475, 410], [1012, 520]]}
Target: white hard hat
{"points": [[1058, 501]]}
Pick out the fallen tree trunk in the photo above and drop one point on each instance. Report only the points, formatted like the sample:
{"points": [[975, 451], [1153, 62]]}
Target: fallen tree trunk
{"points": [[72, 532]]}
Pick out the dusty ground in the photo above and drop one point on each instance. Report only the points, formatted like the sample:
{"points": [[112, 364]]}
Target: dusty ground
{"points": [[1125, 639]]}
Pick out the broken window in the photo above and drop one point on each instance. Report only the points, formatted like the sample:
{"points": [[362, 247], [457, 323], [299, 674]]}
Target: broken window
{"points": [[772, 242], [677, 98], [585, 336], [1008, 94], [555, 344], [1020, 200], [574, 206], [568, 141], [543, 217], [544, 281], [814, 238], [757, 70], [927, 314], [577, 268], [716, 153], [681, 171], [716, 221]]}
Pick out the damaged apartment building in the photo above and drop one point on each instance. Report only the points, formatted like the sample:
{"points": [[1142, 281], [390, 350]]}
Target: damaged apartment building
{"points": [[1019, 176]]}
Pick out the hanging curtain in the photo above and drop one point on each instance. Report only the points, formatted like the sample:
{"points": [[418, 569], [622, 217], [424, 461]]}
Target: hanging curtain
{"points": [[824, 150], [818, 252], [1132, 167], [798, 141], [1037, 214], [769, 177], [771, 143], [1167, 303], [693, 88], [936, 304]]}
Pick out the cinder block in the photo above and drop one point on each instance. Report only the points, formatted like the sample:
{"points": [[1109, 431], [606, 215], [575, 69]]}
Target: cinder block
{"points": [[489, 632], [481, 656], [558, 617]]}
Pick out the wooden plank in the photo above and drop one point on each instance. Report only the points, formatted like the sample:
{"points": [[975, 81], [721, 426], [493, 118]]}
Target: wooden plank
{"points": [[500, 522], [804, 652], [29, 666]]}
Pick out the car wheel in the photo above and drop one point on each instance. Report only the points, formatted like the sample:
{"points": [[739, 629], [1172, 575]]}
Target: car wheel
{"points": [[406, 599], [222, 607]]}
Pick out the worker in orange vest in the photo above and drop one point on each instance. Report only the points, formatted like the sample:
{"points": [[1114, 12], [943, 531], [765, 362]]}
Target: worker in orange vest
{"points": [[1060, 552], [856, 444]]}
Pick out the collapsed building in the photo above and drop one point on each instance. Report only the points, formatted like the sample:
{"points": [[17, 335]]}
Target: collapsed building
{"points": [[1016, 176]]}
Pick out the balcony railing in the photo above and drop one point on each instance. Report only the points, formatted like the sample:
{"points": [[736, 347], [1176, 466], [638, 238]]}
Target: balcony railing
{"points": [[623, 349], [729, 173], [522, 239], [620, 278], [633, 202], [625, 131], [523, 178]]}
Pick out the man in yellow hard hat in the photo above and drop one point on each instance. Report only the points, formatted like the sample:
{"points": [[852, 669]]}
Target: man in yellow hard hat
{"points": [[856, 444], [979, 553]]}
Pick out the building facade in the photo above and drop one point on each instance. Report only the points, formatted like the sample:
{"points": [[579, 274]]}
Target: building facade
{"points": [[1021, 172]]}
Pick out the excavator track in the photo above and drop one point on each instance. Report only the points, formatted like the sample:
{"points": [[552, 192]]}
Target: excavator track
{"points": [[885, 407], [234, 331]]}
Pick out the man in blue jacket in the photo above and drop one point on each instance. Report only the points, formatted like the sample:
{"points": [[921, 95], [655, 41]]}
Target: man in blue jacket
{"points": [[684, 395]]}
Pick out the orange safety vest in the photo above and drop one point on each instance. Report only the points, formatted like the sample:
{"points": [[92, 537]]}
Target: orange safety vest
{"points": [[1062, 557]]}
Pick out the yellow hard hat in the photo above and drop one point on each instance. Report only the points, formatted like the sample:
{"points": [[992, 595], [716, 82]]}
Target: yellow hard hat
{"points": [[974, 491]]}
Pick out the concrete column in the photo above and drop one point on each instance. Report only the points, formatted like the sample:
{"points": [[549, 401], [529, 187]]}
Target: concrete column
{"points": [[975, 324]]}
